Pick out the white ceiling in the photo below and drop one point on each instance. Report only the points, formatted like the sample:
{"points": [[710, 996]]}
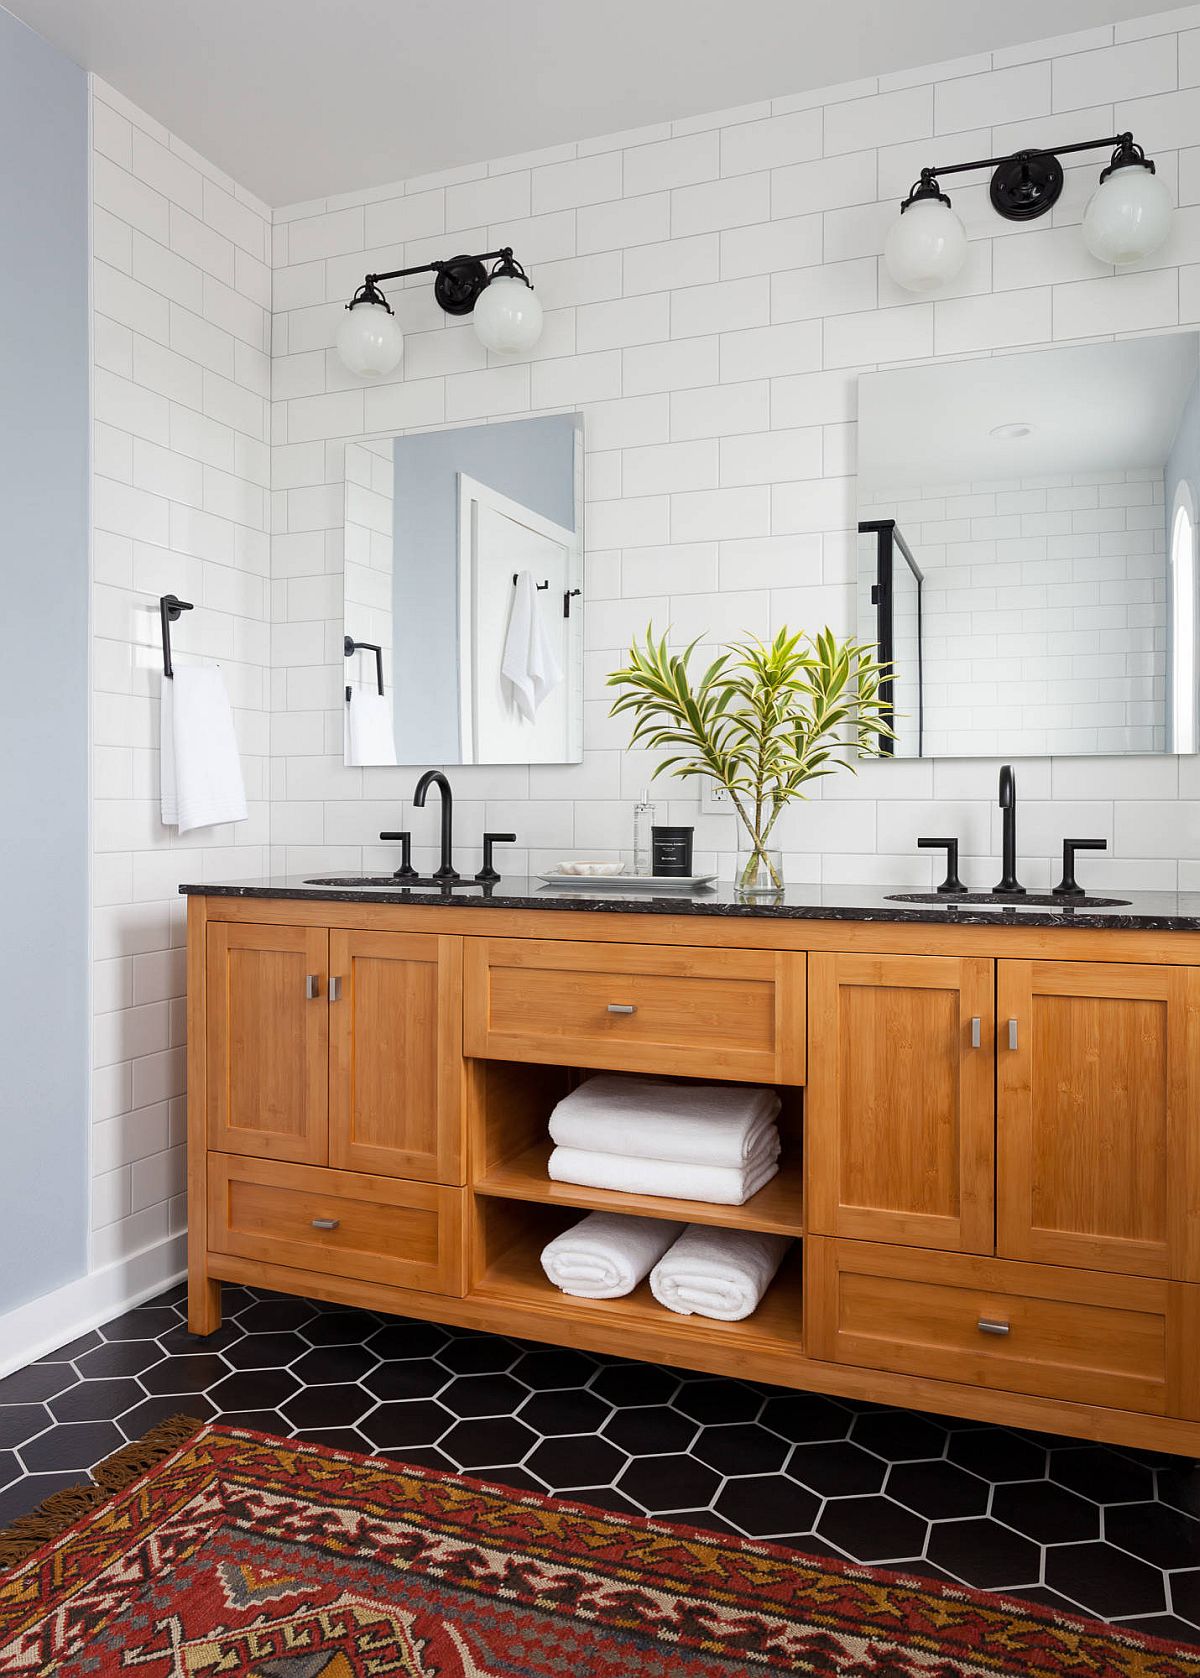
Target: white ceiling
{"points": [[1091, 408], [300, 99]]}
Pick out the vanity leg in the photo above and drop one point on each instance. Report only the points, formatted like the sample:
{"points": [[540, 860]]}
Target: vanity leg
{"points": [[204, 1304]]}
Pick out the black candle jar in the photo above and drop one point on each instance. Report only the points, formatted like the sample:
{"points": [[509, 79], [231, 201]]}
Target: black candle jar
{"points": [[671, 850]]}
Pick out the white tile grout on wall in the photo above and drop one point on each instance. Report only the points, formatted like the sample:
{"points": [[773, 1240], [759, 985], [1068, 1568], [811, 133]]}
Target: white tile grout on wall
{"points": [[180, 492], [712, 290]]}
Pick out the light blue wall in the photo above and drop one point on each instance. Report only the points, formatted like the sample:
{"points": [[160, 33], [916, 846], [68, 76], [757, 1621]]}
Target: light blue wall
{"points": [[531, 461], [44, 982]]}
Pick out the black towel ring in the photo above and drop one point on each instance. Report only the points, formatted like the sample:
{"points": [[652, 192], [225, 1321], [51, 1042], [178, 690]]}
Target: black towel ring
{"points": [[169, 609]]}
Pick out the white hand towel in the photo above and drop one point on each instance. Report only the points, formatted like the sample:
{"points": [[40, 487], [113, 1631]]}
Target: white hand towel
{"points": [[370, 736], [704, 1124], [529, 663], [201, 771], [719, 1273], [723, 1185], [605, 1255]]}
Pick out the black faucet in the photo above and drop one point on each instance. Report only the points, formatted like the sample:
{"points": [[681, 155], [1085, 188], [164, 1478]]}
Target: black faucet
{"points": [[434, 777], [1009, 885]]}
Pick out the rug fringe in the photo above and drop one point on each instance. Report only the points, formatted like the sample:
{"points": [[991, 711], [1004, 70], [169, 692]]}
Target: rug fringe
{"points": [[63, 1508]]}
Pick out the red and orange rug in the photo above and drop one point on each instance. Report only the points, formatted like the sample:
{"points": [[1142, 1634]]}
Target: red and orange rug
{"points": [[239, 1556]]}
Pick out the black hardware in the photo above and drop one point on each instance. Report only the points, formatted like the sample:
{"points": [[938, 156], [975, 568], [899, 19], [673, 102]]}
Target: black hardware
{"points": [[349, 648], [1027, 183], [447, 873], [406, 871], [1009, 885], [888, 542], [458, 283], [538, 586], [951, 883], [569, 595], [489, 871], [1067, 886], [169, 609]]}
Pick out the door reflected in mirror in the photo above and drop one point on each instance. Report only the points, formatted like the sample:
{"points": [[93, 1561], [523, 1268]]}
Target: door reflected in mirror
{"points": [[463, 595], [1026, 549]]}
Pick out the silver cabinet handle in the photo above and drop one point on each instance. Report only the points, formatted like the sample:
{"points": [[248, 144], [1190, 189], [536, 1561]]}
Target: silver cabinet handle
{"points": [[986, 1325], [312, 986], [335, 988], [1012, 1035], [621, 1008], [325, 1223], [976, 1031]]}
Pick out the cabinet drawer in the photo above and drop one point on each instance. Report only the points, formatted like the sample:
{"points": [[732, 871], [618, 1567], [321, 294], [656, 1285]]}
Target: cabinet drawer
{"points": [[1118, 1341], [383, 1230], [637, 1008]]}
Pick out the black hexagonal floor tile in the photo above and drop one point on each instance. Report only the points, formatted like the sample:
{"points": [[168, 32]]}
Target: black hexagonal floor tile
{"points": [[872, 1529], [1105, 1581], [276, 1316], [1179, 1485], [1045, 1511], [120, 1357], [567, 1464], [10, 1467], [253, 1389], [836, 1469], [567, 1410], [138, 1421], [1155, 1532], [185, 1374], [36, 1382], [767, 1506], [741, 1448], [414, 1422], [801, 1417], [478, 1354], [661, 1484], [181, 1341], [635, 1383], [604, 1497], [898, 1435], [338, 1439], [549, 1368], [71, 1445], [266, 1351], [408, 1340], [1102, 1475], [484, 1444], [938, 1490], [335, 1405], [146, 1323], [983, 1553], [19, 1422], [995, 1454], [96, 1401], [718, 1401], [30, 1490], [334, 1363], [484, 1395], [414, 1378], [650, 1430], [1185, 1594], [339, 1328], [258, 1421]]}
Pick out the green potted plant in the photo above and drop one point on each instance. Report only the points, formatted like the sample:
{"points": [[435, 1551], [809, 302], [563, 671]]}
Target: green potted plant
{"points": [[764, 720]]}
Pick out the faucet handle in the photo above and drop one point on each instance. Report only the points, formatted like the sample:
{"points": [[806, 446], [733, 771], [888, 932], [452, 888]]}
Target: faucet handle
{"points": [[489, 870], [406, 871], [951, 883], [1068, 886]]}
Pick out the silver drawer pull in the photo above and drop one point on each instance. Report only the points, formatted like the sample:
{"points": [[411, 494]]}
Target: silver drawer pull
{"points": [[335, 988], [976, 1031], [1012, 1035], [987, 1326], [312, 986], [325, 1223], [621, 1008]]}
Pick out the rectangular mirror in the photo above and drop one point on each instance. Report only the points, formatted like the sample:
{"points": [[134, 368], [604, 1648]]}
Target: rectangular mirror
{"points": [[463, 595], [1027, 549]]}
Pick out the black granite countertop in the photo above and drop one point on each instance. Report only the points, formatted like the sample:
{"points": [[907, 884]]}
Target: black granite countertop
{"points": [[1131, 911]]}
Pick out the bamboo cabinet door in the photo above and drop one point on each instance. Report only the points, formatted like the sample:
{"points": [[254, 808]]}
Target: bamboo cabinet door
{"points": [[267, 1041], [900, 1118], [395, 1054], [1098, 1116]]}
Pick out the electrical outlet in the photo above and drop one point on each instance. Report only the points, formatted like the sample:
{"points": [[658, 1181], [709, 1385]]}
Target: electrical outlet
{"points": [[715, 799]]}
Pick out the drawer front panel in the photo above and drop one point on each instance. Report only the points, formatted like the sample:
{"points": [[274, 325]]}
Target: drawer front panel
{"points": [[372, 1229], [637, 1008], [1114, 1341]]}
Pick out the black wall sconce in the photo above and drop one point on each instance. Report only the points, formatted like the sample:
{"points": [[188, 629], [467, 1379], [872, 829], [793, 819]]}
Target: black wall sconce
{"points": [[508, 315], [1127, 218]]}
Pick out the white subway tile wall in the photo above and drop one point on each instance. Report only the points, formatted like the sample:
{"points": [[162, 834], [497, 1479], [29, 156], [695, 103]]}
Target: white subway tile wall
{"points": [[181, 486]]}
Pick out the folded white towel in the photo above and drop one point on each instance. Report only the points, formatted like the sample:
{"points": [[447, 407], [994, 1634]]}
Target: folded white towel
{"points": [[719, 1273], [606, 1255], [200, 767], [725, 1185], [529, 663], [370, 737], [704, 1124]]}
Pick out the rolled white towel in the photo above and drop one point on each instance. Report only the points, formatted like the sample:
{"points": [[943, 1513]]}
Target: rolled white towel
{"points": [[606, 1255], [704, 1124], [720, 1273], [724, 1185]]}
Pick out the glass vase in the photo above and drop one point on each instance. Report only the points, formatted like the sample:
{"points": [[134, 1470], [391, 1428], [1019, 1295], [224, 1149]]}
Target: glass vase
{"points": [[759, 869]]}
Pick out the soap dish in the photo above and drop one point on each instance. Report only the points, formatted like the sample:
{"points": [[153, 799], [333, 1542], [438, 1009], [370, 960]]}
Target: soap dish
{"points": [[630, 882], [589, 870]]}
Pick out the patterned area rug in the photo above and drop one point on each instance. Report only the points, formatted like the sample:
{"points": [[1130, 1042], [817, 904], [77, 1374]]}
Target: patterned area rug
{"points": [[208, 1552]]}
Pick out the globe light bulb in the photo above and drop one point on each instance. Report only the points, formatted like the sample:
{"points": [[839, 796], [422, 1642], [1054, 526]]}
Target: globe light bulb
{"points": [[1129, 215], [927, 245], [508, 316], [369, 342]]}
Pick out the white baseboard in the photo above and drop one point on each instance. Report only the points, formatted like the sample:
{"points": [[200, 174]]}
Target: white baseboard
{"points": [[32, 1330]]}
